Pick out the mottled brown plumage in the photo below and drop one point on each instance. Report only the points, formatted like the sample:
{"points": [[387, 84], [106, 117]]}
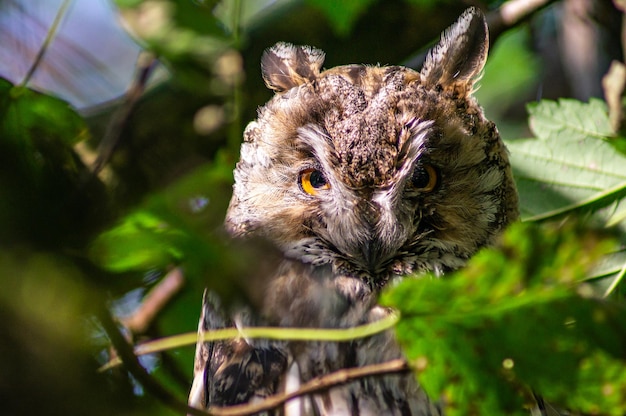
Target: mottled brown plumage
{"points": [[360, 175]]}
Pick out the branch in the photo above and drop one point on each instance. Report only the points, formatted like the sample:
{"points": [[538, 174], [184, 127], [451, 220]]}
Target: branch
{"points": [[315, 385], [510, 14], [154, 301], [132, 364], [145, 65]]}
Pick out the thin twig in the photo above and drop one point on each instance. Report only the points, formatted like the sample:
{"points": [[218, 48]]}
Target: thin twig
{"points": [[46, 43], [145, 65], [133, 365], [313, 386]]}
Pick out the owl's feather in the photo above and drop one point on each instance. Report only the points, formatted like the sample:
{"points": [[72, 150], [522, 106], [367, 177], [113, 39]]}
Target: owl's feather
{"points": [[459, 57], [410, 177], [231, 372], [285, 66]]}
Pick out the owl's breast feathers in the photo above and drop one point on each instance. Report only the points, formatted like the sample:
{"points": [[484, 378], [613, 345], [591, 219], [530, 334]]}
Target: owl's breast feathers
{"points": [[240, 371], [234, 371]]}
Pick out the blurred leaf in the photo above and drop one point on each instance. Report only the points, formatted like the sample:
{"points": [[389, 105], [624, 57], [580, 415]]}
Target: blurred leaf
{"points": [[515, 318], [570, 165], [427, 3], [510, 70], [608, 274], [47, 193], [183, 32], [183, 225], [171, 226], [45, 302], [141, 242], [190, 37], [28, 115], [342, 14]]}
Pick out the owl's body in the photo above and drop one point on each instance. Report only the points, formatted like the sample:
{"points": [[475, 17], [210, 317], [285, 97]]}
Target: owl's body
{"points": [[360, 175]]}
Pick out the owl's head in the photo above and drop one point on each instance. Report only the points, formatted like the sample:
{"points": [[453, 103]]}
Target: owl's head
{"points": [[380, 171]]}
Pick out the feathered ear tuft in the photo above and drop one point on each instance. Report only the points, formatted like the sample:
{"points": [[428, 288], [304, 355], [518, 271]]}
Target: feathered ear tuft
{"points": [[460, 55], [285, 66]]}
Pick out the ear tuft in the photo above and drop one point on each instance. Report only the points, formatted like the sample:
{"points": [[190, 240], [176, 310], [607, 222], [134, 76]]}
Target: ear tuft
{"points": [[285, 66], [460, 55]]}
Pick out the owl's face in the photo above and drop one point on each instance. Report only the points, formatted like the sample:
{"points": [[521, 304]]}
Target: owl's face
{"points": [[380, 171]]}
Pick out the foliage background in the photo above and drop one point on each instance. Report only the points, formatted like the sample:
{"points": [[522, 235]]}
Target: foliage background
{"points": [[77, 245]]}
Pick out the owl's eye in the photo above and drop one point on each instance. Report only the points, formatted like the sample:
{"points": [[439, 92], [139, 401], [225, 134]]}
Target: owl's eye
{"points": [[312, 181], [424, 178]]}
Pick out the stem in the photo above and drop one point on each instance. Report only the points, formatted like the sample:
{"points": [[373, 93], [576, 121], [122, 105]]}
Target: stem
{"points": [[146, 63], [285, 334]]}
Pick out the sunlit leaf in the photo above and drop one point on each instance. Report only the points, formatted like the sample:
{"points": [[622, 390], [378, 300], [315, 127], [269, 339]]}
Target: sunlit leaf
{"points": [[171, 226], [570, 165], [569, 120], [509, 71], [141, 242], [515, 319]]}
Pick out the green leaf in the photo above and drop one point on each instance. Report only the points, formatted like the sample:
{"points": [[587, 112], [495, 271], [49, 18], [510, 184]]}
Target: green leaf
{"points": [[182, 225], [46, 191], [570, 165], [28, 115], [569, 119], [140, 242], [427, 4], [171, 226], [510, 69], [516, 319], [342, 14]]}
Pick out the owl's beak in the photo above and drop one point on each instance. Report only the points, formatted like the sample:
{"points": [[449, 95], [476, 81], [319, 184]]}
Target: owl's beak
{"points": [[386, 234], [368, 254], [373, 250]]}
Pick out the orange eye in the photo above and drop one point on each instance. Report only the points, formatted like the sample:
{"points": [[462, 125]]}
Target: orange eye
{"points": [[424, 178], [312, 181]]}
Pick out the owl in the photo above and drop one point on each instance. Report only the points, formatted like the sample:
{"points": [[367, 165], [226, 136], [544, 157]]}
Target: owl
{"points": [[360, 175]]}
